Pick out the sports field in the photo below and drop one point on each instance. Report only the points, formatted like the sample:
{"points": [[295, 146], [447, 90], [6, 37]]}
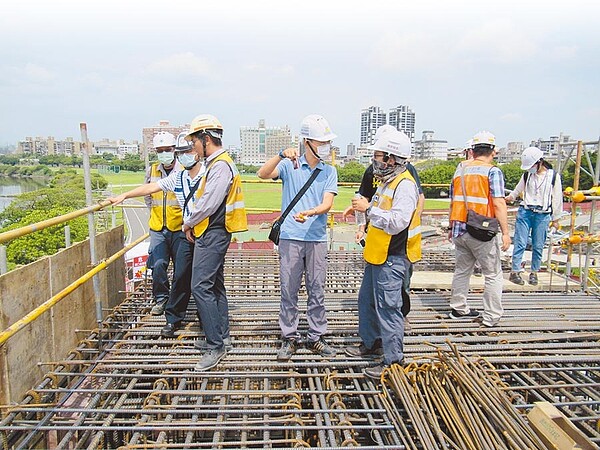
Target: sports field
{"points": [[257, 194]]}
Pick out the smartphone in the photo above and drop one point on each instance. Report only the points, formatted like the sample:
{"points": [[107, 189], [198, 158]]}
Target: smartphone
{"points": [[362, 242]]}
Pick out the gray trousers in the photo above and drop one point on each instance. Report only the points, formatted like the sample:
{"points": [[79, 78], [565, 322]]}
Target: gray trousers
{"points": [[468, 251], [297, 258], [208, 285]]}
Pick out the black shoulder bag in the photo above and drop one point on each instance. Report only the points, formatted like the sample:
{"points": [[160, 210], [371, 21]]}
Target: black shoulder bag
{"points": [[481, 227], [276, 227]]}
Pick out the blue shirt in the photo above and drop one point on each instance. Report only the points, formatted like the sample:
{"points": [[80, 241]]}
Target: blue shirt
{"points": [[496, 178], [314, 229]]}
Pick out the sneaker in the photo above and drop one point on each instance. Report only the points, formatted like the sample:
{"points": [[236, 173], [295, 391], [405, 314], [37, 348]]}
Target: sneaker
{"points": [[362, 351], [210, 359], [200, 344], [477, 271], [288, 348], [456, 315], [515, 277], [376, 371], [159, 308], [533, 279], [321, 347], [483, 323], [169, 329]]}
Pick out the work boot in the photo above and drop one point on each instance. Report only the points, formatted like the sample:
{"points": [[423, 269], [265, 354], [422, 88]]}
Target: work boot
{"points": [[477, 271], [515, 277], [321, 347], [159, 308], [376, 371], [169, 329], [210, 359], [533, 278], [200, 344], [362, 351], [288, 348], [457, 315]]}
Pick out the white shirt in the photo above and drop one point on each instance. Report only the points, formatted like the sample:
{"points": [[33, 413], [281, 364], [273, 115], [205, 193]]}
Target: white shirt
{"points": [[539, 192]]}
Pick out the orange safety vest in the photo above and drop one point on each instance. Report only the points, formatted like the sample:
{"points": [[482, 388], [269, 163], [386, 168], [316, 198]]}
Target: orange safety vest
{"points": [[235, 211], [165, 210], [477, 185]]}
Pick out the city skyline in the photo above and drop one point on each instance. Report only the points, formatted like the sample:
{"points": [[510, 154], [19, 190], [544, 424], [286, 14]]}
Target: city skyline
{"points": [[523, 70]]}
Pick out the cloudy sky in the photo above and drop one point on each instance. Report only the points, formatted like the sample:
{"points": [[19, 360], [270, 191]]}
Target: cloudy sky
{"points": [[521, 69]]}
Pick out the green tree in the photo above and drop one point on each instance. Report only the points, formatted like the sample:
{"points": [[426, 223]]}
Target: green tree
{"points": [[351, 172], [512, 173]]}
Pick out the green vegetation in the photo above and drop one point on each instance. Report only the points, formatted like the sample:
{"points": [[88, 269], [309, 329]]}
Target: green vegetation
{"points": [[64, 194]]}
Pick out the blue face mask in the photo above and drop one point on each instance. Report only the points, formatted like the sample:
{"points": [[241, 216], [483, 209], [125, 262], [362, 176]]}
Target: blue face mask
{"points": [[533, 170], [187, 160]]}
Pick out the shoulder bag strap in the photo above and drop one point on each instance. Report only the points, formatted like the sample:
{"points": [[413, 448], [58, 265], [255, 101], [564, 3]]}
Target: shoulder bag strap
{"points": [[299, 194]]}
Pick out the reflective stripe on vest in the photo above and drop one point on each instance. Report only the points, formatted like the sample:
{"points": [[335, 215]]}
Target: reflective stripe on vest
{"points": [[477, 184], [377, 243], [165, 210], [235, 211]]}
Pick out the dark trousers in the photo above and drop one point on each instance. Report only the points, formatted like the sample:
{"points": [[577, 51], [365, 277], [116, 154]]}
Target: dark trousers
{"points": [[208, 285], [166, 246]]}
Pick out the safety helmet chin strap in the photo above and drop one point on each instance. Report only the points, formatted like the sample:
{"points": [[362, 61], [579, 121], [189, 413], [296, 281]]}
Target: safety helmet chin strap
{"points": [[315, 154]]}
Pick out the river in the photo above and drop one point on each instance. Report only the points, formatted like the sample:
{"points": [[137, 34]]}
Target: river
{"points": [[11, 187]]}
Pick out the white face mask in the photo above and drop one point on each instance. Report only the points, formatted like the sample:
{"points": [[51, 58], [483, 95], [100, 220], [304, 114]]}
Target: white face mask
{"points": [[187, 160], [324, 151], [166, 158]]}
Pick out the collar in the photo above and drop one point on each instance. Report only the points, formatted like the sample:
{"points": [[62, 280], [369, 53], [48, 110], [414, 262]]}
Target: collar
{"points": [[214, 155], [304, 162]]}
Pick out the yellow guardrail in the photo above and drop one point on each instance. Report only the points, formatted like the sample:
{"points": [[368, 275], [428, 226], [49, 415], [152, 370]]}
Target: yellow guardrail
{"points": [[13, 234], [37, 312]]}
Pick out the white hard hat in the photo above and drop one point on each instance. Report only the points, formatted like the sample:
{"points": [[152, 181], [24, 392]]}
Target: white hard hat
{"points": [[530, 156], [395, 143], [316, 127], [163, 139], [182, 145], [208, 123], [483, 137], [383, 129]]}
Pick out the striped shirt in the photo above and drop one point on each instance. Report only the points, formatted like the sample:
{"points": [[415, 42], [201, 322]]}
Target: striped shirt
{"points": [[180, 183]]}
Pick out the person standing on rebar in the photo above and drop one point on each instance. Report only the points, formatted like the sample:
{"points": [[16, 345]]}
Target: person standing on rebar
{"points": [[393, 242], [484, 186], [303, 240], [368, 187], [180, 249], [165, 224], [542, 205]]}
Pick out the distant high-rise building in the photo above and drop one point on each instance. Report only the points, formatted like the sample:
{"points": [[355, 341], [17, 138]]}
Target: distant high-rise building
{"points": [[260, 143], [430, 148], [148, 133], [511, 152], [40, 146], [403, 119], [350, 150], [370, 119]]}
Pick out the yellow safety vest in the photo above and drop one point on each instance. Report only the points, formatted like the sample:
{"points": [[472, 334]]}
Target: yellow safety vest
{"points": [[235, 211], [378, 241], [165, 210], [478, 195]]}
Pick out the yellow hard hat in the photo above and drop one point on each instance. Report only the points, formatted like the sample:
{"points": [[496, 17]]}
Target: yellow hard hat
{"points": [[208, 123]]}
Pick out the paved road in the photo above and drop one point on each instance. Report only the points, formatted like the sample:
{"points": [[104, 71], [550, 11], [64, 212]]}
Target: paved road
{"points": [[137, 220]]}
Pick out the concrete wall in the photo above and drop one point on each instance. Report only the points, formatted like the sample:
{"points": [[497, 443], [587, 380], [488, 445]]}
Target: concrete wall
{"points": [[52, 335]]}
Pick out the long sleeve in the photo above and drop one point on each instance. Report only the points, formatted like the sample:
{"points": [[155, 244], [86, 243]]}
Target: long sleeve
{"points": [[218, 180], [557, 199], [403, 206], [518, 190], [147, 178]]}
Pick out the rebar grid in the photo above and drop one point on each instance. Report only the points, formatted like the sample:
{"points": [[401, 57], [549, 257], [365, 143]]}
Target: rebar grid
{"points": [[139, 390]]}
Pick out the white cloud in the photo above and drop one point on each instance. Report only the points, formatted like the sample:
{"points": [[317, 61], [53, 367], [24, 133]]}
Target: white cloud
{"points": [[182, 64], [563, 52], [409, 51]]}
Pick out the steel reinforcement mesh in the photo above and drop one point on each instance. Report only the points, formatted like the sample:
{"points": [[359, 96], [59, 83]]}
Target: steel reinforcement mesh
{"points": [[125, 386]]}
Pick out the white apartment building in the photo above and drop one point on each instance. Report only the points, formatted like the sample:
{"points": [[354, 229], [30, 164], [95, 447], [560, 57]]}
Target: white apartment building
{"points": [[370, 119], [511, 152], [350, 150], [42, 146], [430, 148], [403, 119], [260, 143]]}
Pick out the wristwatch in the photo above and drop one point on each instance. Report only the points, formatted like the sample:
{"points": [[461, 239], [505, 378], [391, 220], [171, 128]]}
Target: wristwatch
{"points": [[281, 155]]}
